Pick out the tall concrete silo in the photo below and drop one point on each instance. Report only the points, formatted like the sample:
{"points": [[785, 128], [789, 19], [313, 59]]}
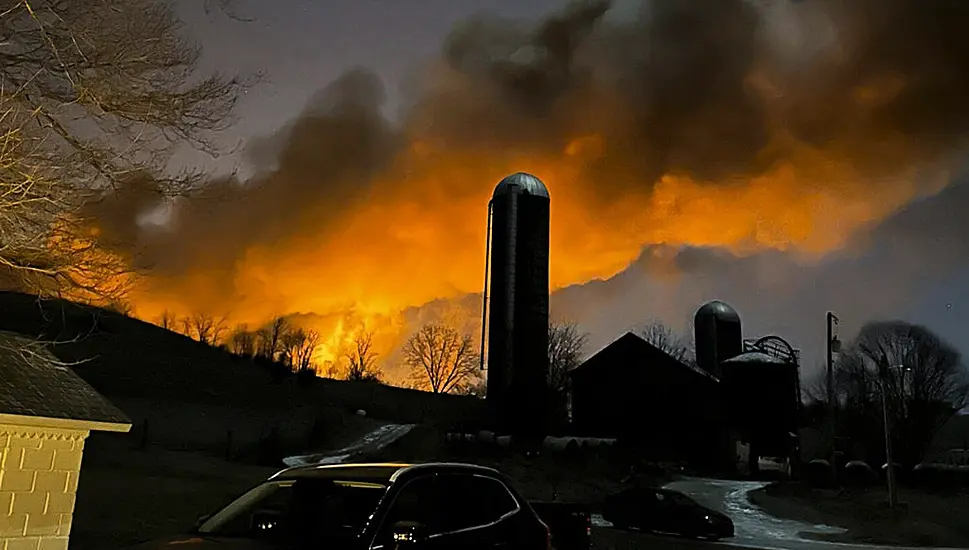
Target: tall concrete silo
{"points": [[518, 320], [717, 335]]}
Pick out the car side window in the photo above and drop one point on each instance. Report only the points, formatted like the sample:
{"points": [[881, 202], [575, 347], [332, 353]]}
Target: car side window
{"points": [[416, 502], [266, 518], [469, 501]]}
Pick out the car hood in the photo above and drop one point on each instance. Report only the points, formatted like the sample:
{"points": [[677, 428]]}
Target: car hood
{"points": [[200, 542]]}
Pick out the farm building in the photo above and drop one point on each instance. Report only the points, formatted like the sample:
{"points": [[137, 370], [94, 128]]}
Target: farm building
{"points": [[635, 392], [46, 413], [741, 392]]}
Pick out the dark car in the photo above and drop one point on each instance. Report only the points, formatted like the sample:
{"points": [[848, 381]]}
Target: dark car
{"points": [[569, 522], [665, 511], [374, 506]]}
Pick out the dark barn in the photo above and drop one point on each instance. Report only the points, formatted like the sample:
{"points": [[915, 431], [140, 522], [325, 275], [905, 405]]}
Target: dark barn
{"points": [[637, 393]]}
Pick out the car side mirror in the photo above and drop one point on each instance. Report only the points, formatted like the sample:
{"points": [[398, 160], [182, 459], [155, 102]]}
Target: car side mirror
{"points": [[408, 534], [201, 521]]}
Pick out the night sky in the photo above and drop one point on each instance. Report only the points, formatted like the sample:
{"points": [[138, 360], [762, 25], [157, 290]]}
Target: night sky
{"points": [[302, 45]]}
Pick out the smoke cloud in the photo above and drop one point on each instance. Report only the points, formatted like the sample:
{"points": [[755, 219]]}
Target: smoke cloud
{"points": [[732, 127], [911, 260]]}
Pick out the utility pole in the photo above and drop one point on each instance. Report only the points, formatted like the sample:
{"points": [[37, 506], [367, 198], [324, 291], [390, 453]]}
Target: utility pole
{"points": [[833, 346], [889, 459]]}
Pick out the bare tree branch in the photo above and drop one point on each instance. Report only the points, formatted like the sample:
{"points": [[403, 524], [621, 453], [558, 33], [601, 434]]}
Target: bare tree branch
{"points": [[921, 378], [204, 328], [167, 320], [93, 94], [361, 361], [667, 340], [298, 347], [566, 345], [243, 341], [270, 338]]}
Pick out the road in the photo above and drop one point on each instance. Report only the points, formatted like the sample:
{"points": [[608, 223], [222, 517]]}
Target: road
{"points": [[377, 439], [754, 528]]}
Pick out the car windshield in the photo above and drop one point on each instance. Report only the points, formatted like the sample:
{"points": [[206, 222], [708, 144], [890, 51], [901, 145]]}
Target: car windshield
{"points": [[307, 510]]}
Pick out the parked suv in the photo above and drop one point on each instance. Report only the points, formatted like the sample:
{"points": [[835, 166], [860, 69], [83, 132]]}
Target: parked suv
{"points": [[374, 507]]}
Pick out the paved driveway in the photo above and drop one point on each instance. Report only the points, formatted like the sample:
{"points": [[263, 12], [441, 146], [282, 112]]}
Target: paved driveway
{"points": [[754, 528]]}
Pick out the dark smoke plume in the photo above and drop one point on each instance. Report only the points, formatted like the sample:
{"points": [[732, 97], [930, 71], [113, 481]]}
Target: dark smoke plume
{"points": [[719, 92]]}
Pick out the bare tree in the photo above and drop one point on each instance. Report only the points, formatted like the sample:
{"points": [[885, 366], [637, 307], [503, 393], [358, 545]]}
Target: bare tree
{"points": [[361, 360], [441, 359], [331, 369], [921, 378], [167, 320], [298, 347], [271, 338], [667, 340], [93, 95], [243, 341], [565, 348], [204, 328]]}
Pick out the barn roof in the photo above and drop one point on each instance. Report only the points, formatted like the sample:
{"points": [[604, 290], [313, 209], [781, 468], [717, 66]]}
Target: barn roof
{"points": [[631, 344], [755, 357], [33, 383]]}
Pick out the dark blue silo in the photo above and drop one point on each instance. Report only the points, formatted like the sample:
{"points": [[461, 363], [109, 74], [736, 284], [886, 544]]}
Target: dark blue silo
{"points": [[518, 320], [717, 335]]}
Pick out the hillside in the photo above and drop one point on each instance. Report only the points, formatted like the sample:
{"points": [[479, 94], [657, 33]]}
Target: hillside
{"points": [[193, 396], [125, 357]]}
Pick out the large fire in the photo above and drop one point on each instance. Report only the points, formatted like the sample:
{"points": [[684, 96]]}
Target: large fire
{"points": [[736, 144], [422, 240]]}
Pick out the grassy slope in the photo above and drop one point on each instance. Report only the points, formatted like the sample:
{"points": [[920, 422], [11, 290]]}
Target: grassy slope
{"points": [[126, 495], [124, 357]]}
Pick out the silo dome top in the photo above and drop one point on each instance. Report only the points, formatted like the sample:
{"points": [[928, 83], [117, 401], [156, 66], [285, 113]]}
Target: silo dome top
{"points": [[523, 183], [719, 310]]}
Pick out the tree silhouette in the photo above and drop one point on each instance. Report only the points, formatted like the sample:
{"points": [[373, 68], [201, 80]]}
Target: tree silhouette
{"points": [[298, 347], [243, 341], [667, 340], [204, 328], [167, 320], [361, 361], [565, 347], [270, 338], [921, 377], [441, 359], [94, 95]]}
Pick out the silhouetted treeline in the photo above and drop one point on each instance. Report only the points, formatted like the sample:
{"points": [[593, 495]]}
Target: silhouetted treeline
{"points": [[279, 344], [896, 367]]}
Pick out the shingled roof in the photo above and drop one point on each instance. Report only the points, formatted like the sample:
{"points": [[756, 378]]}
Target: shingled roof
{"points": [[33, 383]]}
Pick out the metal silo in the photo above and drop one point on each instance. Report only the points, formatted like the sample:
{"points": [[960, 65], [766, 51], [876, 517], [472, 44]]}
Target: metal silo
{"points": [[760, 394], [717, 335], [518, 320]]}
